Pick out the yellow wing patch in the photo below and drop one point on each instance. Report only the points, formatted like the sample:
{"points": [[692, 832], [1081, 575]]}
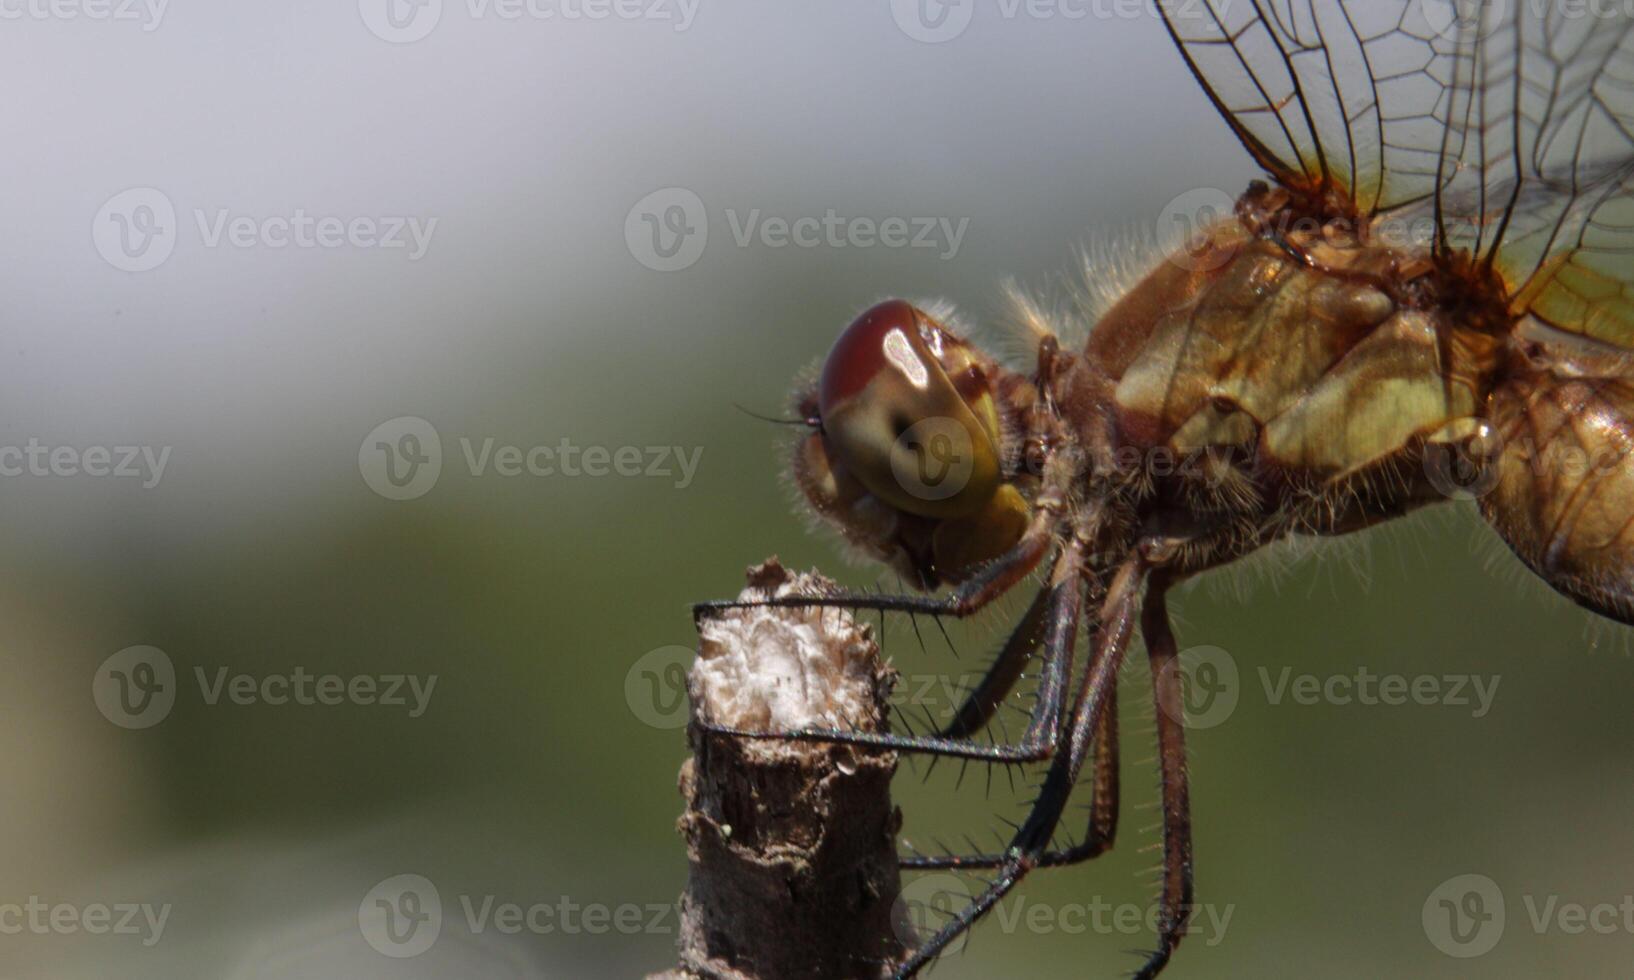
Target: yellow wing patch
{"points": [[1585, 293]]}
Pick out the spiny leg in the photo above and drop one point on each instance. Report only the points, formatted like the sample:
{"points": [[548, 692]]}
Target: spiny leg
{"points": [[1103, 812], [984, 699], [1103, 807], [1176, 905], [1032, 839], [1062, 607]]}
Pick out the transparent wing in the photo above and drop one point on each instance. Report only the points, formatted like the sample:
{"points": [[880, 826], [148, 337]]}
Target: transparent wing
{"points": [[1543, 123], [1352, 96], [1510, 123]]}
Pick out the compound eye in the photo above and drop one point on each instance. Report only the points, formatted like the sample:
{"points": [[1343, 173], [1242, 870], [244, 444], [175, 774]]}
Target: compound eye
{"points": [[884, 337], [898, 424]]}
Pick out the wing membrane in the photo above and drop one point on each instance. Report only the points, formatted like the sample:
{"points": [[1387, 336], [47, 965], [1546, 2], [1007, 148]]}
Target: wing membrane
{"points": [[1511, 123], [1348, 95]]}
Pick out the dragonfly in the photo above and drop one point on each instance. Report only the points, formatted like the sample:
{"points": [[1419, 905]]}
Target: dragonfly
{"points": [[1430, 294]]}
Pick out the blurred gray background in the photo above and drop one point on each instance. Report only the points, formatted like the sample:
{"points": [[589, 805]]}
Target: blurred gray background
{"points": [[282, 386]]}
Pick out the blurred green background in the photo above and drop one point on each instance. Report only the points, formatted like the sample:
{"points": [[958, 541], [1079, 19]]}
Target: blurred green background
{"points": [[549, 609]]}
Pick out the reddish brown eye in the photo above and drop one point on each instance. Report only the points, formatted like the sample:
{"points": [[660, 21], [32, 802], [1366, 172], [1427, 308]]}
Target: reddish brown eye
{"points": [[865, 348], [893, 419]]}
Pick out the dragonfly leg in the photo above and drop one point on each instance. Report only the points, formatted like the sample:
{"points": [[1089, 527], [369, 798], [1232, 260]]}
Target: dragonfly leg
{"points": [[984, 699], [1063, 603], [1032, 840], [1176, 907], [1103, 812]]}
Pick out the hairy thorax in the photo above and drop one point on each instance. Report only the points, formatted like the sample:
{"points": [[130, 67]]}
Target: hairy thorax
{"points": [[1269, 378]]}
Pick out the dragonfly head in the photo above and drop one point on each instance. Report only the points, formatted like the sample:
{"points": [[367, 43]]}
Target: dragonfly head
{"points": [[909, 448]]}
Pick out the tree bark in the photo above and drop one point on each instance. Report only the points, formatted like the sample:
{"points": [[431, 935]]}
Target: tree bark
{"points": [[791, 846]]}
